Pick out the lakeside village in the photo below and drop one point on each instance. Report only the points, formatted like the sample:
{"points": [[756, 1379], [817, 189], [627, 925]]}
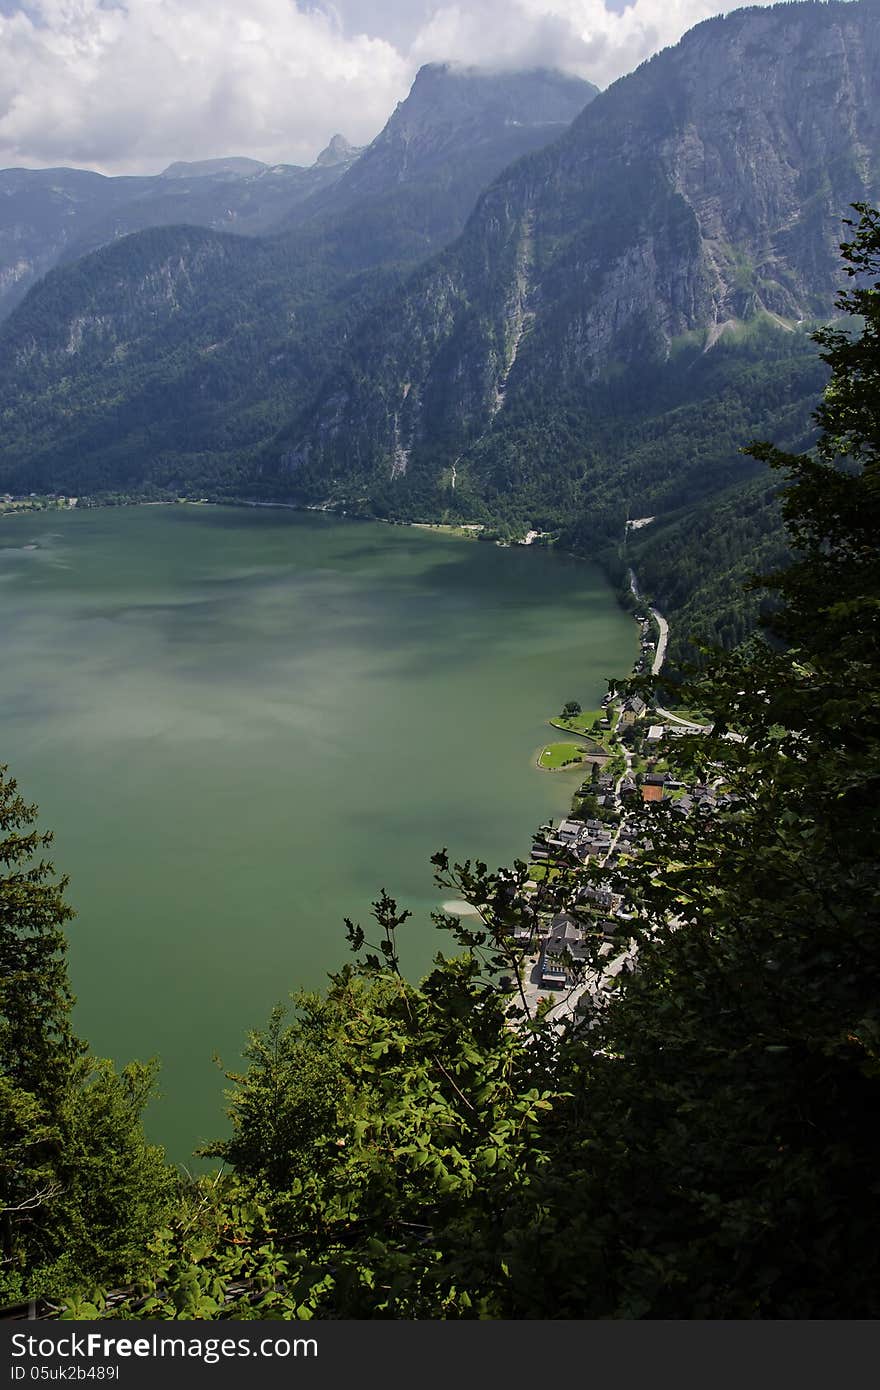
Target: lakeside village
{"points": [[630, 755], [11, 503]]}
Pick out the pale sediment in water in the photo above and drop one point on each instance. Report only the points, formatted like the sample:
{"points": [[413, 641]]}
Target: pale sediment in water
{"points": [[456, 907]]}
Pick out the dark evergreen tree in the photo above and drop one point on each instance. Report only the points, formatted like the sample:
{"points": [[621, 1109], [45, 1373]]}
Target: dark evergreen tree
{"points": [[38, 1050], [80, 1188]]}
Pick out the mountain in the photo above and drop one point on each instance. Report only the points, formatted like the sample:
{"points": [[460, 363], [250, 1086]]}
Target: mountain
{"points": [[234, 167], [338, 151], [455, 131], [626, 308], [51, 215], [172, 357], [413, 188], [695, 204], [463, 124]]}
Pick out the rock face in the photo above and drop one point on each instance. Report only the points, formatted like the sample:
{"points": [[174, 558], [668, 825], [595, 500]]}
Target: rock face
{"points": [[701, 193], [178, 353], [454, 133], [41, 212], [454, 113], [338, 151]]}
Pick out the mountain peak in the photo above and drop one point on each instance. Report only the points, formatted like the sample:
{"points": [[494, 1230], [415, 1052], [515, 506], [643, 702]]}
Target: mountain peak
{"points": [[530, 96], [339, 151], [453, 111]]}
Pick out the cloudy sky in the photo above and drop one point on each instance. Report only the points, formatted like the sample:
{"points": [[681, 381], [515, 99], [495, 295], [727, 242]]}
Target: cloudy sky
{"points": [[130, 85]]}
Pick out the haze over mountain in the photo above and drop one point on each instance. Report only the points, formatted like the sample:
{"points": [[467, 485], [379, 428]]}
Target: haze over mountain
{"points": [[457, 128], [172, 354], [50, 215], [626, 308], [699, 195], [272, 78], [627, 305]]}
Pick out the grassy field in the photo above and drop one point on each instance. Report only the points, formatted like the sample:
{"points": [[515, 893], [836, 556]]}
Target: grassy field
{"points": [[581, 724], [558, 755], [538, 872]]}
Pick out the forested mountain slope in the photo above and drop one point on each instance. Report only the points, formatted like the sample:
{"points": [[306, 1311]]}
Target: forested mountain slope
{"points": [[52, 215], [626, 306], [169, 356]]}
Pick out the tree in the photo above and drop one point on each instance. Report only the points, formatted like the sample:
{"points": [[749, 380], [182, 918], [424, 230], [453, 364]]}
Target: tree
{"points": [[80, 1188], [726, 1123], [710, 1147], [289, 1097], [570, 710], [707, 1144], [38, 1050]]}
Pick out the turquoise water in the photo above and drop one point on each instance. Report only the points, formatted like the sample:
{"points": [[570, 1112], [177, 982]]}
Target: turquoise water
{"points": [[242, 724]]}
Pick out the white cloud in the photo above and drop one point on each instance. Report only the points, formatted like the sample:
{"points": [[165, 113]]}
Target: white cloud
{"points": [[136, 84], [130, 85], [597, 41]]}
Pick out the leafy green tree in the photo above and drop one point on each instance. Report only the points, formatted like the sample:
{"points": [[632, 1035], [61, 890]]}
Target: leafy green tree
{"points": [[725, 1124], [705, 1142], [289, 1097]]}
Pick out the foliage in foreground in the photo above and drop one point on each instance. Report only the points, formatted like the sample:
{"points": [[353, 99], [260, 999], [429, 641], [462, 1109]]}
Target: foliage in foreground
{"points": [[708, 1146], [81, 1191]]}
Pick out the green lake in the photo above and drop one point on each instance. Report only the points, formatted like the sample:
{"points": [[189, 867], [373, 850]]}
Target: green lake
{"points": [[243, 723]]}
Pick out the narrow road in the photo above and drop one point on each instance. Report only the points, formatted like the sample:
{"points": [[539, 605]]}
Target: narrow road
{"points": [[662, 624], [686, 723], [660, 654]]}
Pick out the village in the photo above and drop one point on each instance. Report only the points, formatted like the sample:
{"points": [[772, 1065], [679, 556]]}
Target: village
{"points": [[570, 959]]}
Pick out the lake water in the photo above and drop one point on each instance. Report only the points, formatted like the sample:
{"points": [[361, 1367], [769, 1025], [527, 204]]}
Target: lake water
{"points": [[242, 724]]}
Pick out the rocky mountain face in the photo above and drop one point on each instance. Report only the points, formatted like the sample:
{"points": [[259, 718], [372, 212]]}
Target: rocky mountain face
{"points": [[415, 185], [52, 215], [694, 206], [338, 151], [174, 355], [456, 115], [453, 133]]}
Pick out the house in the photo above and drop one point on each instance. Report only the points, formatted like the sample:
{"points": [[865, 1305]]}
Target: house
{"points": [[602, 896], [565, 949], [569, 830], [568, 834], [597, 841], [633, 709], [655, 733]]}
